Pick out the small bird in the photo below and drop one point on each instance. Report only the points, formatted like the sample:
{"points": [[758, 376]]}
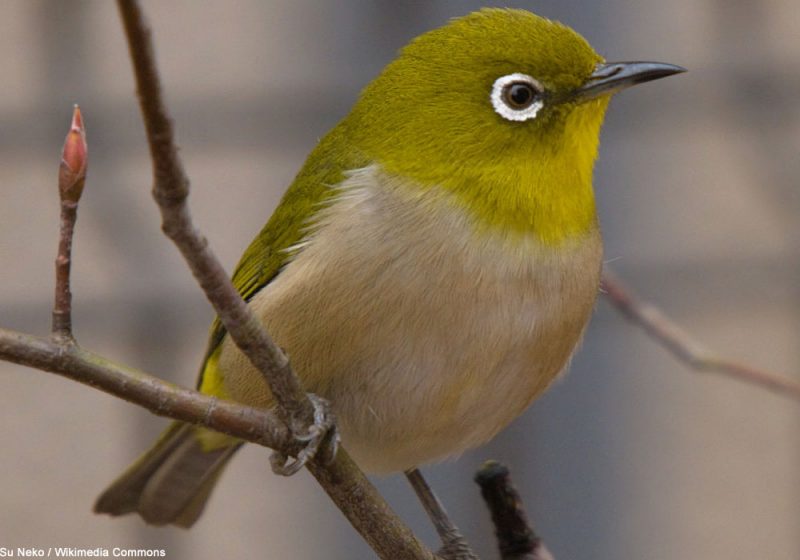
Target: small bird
{"points": [[433, 265]]}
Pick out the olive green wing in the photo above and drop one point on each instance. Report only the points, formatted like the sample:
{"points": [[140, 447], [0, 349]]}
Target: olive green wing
{"points": [[289, 223]]}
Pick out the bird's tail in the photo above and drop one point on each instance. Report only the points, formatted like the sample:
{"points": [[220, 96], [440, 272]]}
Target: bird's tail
{"points": [[171, 482]]}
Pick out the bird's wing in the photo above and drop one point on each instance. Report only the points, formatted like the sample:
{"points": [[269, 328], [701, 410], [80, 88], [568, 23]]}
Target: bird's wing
{"points": [[270, 250]]}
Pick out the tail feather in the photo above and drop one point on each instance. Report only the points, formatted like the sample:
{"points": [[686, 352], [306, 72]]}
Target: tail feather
{"points": [[170, 483]]}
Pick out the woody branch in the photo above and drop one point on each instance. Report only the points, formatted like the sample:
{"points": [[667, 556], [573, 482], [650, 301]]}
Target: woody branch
{"points": [[347, 486], [685, 348]]}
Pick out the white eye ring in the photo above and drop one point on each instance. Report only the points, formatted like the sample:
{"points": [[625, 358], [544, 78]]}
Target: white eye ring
{"points": [[502, 105]]}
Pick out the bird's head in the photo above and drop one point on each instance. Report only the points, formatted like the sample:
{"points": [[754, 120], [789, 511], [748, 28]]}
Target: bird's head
{"points": [[502, 108]]}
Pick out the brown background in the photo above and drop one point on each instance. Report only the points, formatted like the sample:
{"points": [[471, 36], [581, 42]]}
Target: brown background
{"points": [[630, 456]]}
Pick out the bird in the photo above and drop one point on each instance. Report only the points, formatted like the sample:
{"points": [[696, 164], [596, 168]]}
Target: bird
{"points": [[432, 267]]}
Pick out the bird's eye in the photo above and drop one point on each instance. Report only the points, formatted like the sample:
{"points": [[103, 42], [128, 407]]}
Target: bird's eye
{"points": [[517, 97]]}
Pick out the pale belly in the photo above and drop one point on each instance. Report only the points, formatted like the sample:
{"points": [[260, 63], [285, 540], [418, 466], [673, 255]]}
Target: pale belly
{"points": [[427, 337]]}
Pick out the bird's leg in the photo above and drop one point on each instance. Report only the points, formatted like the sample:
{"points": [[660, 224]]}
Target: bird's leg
{"points": [[321, 437], [454, 545]]}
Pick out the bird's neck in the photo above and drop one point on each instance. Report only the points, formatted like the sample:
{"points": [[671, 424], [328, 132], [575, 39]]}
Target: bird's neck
{"points": [[541, 189], [550, 198], [553, 201]]}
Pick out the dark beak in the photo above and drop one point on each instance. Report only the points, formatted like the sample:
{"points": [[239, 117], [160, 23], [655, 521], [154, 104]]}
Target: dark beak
{"points": [[612, 77]]}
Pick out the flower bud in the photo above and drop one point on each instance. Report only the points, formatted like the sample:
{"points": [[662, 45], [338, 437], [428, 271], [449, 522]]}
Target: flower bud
{"points": [[74, 159]]}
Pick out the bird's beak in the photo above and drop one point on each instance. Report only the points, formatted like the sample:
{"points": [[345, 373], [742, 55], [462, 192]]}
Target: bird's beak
{"points": [[611, 77]]}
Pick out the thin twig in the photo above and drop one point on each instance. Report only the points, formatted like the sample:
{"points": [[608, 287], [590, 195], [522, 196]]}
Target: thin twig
{"points": [[171, 189], [71, 178], [683, 346], [157, 396], [455, 546], [60, 354], [341, 479], [515, 536]]}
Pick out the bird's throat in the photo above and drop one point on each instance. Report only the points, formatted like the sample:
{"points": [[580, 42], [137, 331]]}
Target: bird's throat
{"points": [[541, 189], [553, 202]]}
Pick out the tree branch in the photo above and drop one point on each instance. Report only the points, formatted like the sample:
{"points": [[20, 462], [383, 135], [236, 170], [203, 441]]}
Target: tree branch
{"points": [[342, 480], [683, 346], [170, 190], [157, 396], [515, 536], [71, 178]]}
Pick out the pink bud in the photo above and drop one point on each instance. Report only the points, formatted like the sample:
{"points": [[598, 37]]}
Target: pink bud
{"points": [[74, 159]]}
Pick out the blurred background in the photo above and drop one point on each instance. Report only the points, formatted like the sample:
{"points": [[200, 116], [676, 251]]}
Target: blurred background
{"points": [[629, 456]]}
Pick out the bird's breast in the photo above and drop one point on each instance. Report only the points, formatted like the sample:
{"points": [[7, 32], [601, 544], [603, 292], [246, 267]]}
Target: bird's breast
{"points": [[428, 334]]}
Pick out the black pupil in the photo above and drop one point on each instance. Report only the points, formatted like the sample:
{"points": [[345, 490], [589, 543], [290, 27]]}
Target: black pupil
{"points": [[519, 95]]}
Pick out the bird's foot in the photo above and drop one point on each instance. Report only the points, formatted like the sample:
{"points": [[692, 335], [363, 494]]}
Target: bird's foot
{"points": [[321, 439], [455, 547]]}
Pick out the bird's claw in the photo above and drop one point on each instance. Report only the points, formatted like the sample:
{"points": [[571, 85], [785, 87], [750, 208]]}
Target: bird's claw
{"points": [[321, 436], [456, 549]]}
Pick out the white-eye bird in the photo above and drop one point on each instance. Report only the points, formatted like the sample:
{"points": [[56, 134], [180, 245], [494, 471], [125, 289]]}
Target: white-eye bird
{"points": [[433, 265]]}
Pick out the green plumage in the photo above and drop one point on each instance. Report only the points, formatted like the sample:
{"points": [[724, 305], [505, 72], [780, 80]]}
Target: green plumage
{"points": [[448, 285], [290, 222], [393, 120], [392, 125]]}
